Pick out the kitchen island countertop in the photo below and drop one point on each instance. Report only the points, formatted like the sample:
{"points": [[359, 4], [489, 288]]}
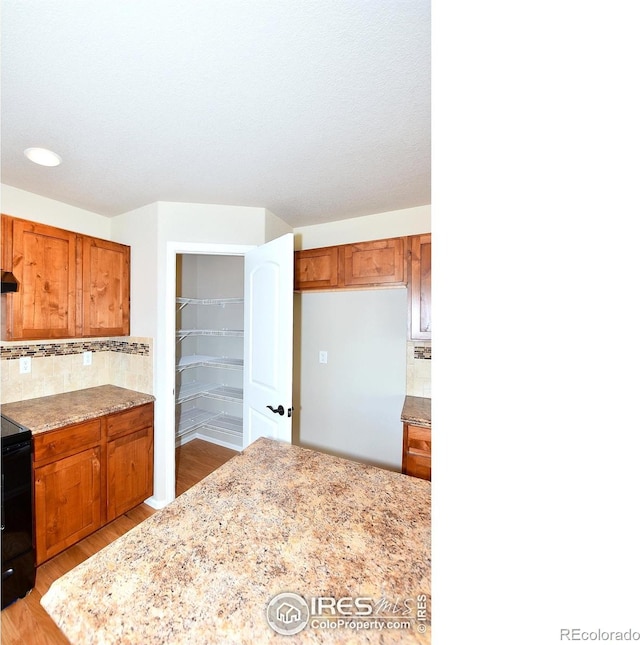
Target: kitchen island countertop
{"points": [[58, 410], [276, 518]]}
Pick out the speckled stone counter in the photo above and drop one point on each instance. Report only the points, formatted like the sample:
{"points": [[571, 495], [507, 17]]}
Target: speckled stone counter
{"points": [[417, 411], [276, 518], [58, 410]]}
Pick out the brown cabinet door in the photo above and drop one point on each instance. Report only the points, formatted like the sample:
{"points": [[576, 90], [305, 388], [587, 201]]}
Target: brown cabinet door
{"points": [[105, 288], [129, 471], [44, 263], [420, 287], [374, 263], [67, 502], [316, 268], [6, 254], [416, 451]]}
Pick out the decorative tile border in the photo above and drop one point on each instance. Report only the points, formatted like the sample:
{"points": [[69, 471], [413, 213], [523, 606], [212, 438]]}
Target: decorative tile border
{"points": [[129, 347], [38, 350], [422, 353]]}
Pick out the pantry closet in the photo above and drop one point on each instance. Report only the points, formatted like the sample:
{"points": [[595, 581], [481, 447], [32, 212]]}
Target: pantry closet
{"points": [[209, 348]]}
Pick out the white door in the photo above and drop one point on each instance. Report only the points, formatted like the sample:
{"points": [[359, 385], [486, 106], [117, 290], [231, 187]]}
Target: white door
{"points": [[268, 341]]}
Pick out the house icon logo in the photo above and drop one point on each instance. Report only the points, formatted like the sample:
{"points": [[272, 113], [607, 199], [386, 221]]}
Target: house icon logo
{"points": [[288, 613]]}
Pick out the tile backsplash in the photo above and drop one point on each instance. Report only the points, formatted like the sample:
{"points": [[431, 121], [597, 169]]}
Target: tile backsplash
{"points": [[57, 366], [419, 369]]}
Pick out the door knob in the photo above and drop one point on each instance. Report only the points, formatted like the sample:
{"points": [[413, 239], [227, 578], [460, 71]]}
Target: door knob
{"points": [[279, 410]]}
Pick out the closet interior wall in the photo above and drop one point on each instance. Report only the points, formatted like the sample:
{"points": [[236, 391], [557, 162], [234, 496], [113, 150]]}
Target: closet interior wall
{"points": [[209, 348]]}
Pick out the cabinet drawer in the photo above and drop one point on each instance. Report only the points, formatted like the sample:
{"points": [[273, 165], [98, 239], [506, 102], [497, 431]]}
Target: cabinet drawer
{"points": [[419, 440], [418, 465], [131, 420], [65, 441]]}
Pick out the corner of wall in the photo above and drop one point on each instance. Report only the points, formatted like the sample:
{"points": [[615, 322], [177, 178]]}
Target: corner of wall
{"points": [[274, 227]]}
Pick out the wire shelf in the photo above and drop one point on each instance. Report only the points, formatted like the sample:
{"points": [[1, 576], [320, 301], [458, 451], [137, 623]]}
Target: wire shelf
{"points": [[218, 302], [190, 391], [199, 360], [181, 334]]}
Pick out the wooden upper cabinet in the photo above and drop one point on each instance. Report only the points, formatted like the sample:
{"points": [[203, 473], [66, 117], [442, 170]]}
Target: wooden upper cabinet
{"points": [[6, 253], [43, 260], [69, 285], [381, 263], [105, 288], [316, 268], [420, 287]]}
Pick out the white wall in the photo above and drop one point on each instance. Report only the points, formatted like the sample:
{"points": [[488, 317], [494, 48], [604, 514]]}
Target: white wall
{"points": [[25, 205], [210, 223], [351, 405], [409, 221], [362, 420], [139, 229]]}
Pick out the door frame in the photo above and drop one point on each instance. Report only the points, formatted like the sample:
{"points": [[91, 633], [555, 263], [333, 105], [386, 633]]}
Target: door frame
{"points": [[166, 351]]}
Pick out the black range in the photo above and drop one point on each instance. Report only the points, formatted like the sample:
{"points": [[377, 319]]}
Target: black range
{"points": [[18, 558]]}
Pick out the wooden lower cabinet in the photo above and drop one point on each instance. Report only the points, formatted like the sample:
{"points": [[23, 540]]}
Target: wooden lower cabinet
{"points": [[68, 502], [129, 471], [416, 451], [87, 474]]}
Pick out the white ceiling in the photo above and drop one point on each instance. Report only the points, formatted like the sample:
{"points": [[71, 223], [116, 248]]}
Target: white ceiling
{"points": [[317, 110]]}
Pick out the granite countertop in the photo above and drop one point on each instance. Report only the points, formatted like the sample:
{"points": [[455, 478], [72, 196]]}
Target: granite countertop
{"points": [[59, 410], [276, 518], [417, 411]]}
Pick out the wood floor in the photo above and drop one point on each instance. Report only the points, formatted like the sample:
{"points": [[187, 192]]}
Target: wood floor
{"points": [[26, 622]]}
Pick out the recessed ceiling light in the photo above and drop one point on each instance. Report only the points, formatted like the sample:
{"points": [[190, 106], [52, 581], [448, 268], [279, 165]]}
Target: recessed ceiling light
{"points": [[42, 156]]}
